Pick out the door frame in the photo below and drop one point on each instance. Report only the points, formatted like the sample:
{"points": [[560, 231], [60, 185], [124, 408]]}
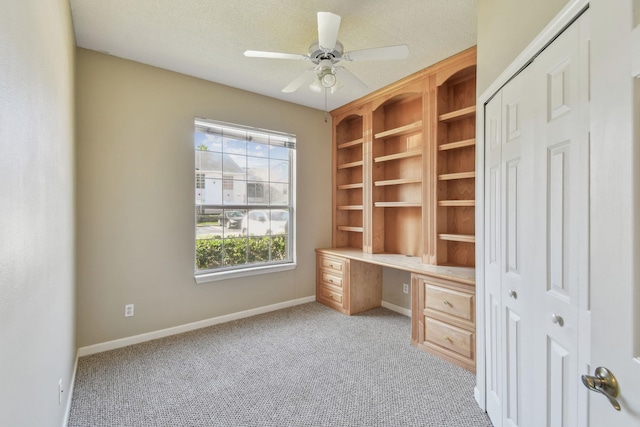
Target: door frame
{"points": [[572, 10]]}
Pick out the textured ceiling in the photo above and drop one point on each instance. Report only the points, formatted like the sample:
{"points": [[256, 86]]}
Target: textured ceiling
{"points": [[207, 38]]}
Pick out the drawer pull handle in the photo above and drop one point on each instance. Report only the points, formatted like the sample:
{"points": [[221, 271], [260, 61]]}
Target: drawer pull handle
{"points": [[331, 265], [446, 338], [448, 303], [330, 280]]}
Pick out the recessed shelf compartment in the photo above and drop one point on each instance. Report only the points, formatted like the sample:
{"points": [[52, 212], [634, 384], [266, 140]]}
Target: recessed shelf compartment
{"points": [[349, 144], [351, 165], [460, 114], [467, 238], [457, 175], [457, 144], [398, 156], [402, 130], [398, 181]]}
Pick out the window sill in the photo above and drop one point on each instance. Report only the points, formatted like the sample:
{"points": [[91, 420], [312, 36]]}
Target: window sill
{"points": [[245, 272]]}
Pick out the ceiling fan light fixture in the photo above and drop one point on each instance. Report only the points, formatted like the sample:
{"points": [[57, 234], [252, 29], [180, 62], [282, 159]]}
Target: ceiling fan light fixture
{"points": [[328, 79]]}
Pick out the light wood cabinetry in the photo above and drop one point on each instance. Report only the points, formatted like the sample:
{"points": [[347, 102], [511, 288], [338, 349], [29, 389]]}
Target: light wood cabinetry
{"points": [[443, 319], [404, 167], [349, 149], [454, 153], [404, 197], [349, 286]]}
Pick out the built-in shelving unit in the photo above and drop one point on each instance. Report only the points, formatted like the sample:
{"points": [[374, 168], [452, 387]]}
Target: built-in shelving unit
{"points": [[397, 171], [349, 181], [404, 167], [455, 168]]}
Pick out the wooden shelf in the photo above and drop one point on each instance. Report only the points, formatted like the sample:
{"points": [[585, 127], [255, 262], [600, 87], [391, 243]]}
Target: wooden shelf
{"points": [[351, 165], [350, 207], [348, 228], [457, 144], [458, 175], [456, 203], [398, 204], [467, 238], [460, 114], [398, 181], [402, 130], [351, 186], [396, 156], [348, 144]]}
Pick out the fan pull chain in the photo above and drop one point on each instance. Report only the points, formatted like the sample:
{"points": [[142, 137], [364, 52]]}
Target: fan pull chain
{"points": [[325, 106]]}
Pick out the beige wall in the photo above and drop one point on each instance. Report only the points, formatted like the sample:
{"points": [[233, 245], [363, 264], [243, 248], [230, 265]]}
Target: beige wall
{"points": [[505, 28], [37, 314], [136, 195]]}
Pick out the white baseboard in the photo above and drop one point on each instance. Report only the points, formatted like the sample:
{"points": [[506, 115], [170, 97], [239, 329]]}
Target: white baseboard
{"points": [[67, 410], [136, 339], [396, 308]]}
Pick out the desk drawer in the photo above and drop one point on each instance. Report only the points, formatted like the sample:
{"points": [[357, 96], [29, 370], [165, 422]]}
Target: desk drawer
{"points": [[331, 294], [449, 301], [451, 337], [330, 279], [332, 264]]}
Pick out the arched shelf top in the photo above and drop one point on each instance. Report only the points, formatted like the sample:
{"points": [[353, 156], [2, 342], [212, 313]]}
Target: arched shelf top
{"points": [[453, 75], [349, 118]]}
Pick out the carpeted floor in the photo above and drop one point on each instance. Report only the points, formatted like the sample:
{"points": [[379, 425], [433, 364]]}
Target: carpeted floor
{"points": [[302, 366]]}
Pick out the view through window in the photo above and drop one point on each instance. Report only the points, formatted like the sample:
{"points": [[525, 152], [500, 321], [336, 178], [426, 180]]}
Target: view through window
{"points": [[243, 197]]}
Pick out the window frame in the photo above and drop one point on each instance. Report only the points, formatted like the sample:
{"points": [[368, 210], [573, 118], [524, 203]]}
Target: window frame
{"points": [[280, 139]]}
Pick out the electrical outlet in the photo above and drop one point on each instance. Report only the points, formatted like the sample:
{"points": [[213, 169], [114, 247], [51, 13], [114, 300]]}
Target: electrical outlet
{"points": [[405, 288], [128, 310], [60, 391]]}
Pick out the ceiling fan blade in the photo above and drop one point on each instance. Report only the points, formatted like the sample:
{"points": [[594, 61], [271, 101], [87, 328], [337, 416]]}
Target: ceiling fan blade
{"points": [[349, 79], [377, 53], [273, 55], [299, 81], [328, 26]]}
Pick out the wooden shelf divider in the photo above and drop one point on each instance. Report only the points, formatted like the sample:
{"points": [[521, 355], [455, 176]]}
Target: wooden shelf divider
{"points": [[457, 175], [351, 186], [468, 238], [457, 144], [348, 144], [460, 114], [398, 181], [350, 207], [349, 228], [351, 165], [402, 130], [456, 203], [398, 156], [398, 204]]}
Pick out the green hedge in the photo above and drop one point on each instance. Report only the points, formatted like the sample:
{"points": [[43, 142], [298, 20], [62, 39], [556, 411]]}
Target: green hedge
{"points": [[219, 252]]}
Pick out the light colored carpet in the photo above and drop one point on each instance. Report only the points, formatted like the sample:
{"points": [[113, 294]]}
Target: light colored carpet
{"points": [[302, 366]]}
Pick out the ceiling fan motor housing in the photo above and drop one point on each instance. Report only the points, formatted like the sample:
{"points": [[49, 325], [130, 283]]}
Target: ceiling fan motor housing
{"points": [[318, 54]]}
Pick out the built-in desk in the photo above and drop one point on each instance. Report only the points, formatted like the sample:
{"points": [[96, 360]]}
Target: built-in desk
{"points": [[442, 297]]}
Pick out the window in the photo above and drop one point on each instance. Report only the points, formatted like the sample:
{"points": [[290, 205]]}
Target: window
{"points": [[244, 179]]}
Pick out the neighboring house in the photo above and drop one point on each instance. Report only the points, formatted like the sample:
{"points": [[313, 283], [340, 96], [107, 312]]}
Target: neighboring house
{"points": [[219, 180]]}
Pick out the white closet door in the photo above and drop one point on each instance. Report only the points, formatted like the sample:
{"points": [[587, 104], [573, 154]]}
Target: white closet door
{"points": [[493, 258], [559, 80], [508, 179], [536, 238]]}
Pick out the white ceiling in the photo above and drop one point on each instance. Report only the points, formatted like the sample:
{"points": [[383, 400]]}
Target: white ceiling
{"points": [[207, 38]]}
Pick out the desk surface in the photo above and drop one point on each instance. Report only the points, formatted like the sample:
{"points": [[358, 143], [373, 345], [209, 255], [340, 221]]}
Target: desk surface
{"points": [[465, 275]]}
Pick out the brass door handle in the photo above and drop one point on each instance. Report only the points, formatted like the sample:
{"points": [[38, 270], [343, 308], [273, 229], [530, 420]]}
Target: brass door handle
{"points": [[603, 382]]}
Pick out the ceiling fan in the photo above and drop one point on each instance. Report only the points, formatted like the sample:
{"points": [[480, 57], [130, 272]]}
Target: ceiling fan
{"points": [[325, 53]]}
